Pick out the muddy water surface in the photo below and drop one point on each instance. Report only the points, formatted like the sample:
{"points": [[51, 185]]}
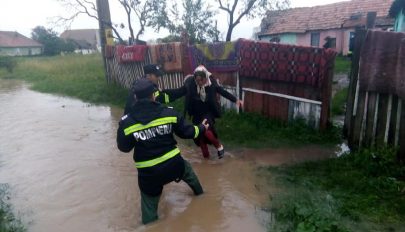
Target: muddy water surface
{"points": [[59, 157]]}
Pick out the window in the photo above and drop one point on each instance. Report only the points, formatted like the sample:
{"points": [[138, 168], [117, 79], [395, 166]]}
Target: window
{"points": [[275, 39], [332, 43], [315, 39]]}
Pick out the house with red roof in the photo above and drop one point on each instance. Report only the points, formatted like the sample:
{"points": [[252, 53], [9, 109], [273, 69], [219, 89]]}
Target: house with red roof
{"points": [[14, 44], [331, 25]]}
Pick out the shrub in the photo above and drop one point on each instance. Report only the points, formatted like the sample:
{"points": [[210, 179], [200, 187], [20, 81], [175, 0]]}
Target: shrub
{"points": [[8, 63]]}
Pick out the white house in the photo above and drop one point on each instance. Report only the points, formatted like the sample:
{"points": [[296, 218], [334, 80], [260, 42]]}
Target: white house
{"points": [[14, 44]]}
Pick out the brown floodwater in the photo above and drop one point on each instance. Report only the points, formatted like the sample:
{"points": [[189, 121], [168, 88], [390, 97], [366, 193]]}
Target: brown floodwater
{"points": [[59, 157]]}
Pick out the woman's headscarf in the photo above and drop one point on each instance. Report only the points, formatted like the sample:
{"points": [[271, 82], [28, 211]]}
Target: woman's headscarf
{"points": [[201, 90]]}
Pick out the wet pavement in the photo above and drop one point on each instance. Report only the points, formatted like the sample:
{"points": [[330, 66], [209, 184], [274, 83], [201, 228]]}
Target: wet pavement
{"points": [[65, 173]]}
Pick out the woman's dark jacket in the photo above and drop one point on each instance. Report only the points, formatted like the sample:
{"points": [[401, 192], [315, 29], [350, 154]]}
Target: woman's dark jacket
{"points": [[194, 106]]}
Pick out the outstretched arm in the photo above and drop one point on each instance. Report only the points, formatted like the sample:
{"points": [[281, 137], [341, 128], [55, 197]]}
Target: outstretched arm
{"points": [[174, 94], [229, 96]]}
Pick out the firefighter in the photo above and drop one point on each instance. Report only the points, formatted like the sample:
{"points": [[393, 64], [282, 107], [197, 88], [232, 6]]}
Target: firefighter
{"points": [[152, 72], [149, 129]]}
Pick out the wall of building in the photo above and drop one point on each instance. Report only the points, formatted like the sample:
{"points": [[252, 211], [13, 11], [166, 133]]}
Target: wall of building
{"points": [[346, 41], [288, 38], [98, 41], [342, 37], [20, 51], [304, 39], [85, 51]]}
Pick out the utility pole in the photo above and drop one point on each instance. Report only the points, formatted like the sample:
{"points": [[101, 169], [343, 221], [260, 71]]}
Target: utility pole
{"points": [[105, 30]]}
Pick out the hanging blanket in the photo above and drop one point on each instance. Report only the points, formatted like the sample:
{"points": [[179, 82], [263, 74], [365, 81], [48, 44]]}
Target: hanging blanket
{"points": [[134, 53], [287, 63], [218, 57], [168, 55], [382, 63]]}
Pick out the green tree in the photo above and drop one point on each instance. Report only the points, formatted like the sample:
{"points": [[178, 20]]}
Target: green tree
{"points": [[196, 18], [238, 9], [169, 39], [68, 45], [53, 45]]}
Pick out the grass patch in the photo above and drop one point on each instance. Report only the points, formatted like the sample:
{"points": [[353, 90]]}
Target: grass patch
{"points": [[342, 64], [339, 102], [8, 222], [257, 131], [253, 130], [362, 191], [72, 75]]}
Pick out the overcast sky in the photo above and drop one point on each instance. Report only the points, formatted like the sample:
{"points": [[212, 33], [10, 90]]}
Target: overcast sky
{"points": [[23, 15]]}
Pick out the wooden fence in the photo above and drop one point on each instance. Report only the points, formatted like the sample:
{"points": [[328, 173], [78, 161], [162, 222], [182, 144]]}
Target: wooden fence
{"points": [[288, 102], [124, 74], [373, 119], [283, 101]]}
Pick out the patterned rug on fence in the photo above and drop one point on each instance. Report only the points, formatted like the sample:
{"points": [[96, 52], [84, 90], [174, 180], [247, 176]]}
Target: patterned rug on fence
{"points": [[168, 55], [134, 53], [287, 63], [382, 63], [218, 57]]}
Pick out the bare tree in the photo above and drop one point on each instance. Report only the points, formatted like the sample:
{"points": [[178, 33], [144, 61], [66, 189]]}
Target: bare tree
{"points": [[150, 13], [128, 9], [83, 7], [238, 9], [196, 19]]}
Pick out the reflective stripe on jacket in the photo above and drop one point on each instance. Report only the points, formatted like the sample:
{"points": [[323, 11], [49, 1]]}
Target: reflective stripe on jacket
{"points": [[158, 160], [149, 129]]}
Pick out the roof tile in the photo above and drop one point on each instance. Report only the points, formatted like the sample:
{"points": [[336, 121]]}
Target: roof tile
{"points": [[14, 39], [300, 20]]}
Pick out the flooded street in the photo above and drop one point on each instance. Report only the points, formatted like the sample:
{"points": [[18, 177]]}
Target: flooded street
{"points": [[65, 173]]}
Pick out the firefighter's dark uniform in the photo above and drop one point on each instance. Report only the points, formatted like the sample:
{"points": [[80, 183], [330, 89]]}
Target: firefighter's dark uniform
{"points": [[164, 97], [160, 96], [149, 128]]}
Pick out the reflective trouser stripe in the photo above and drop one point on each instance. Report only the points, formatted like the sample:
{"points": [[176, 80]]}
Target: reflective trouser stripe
{"points": [[156, 94], [153, 162], [197, 131], [157, 122]]}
